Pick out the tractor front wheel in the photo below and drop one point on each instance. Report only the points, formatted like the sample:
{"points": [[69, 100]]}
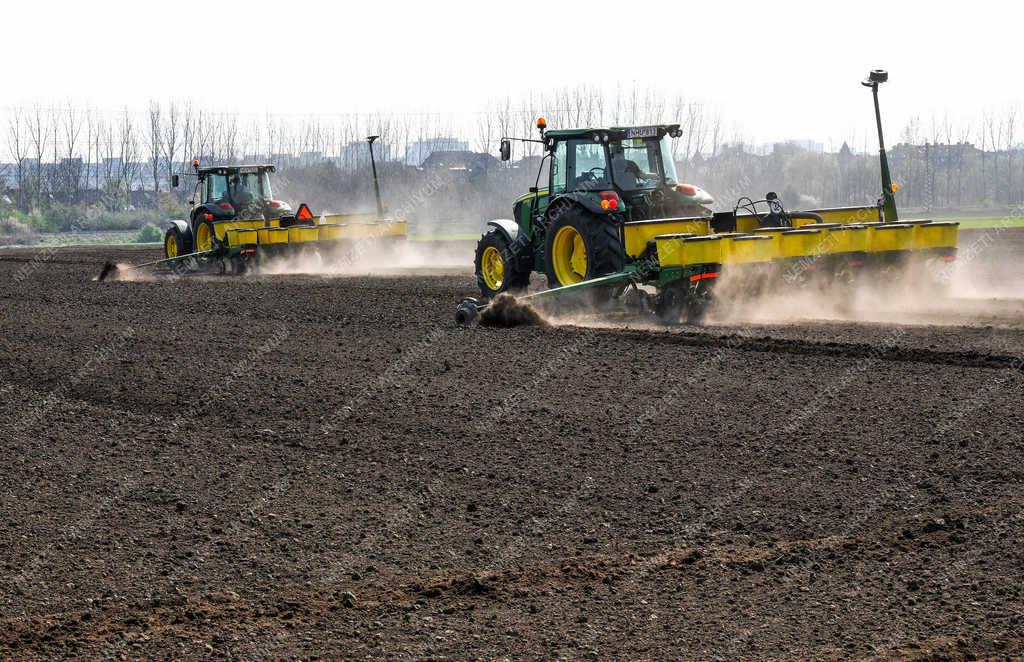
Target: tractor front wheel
{"points": [[176, 243], [497, 269]]}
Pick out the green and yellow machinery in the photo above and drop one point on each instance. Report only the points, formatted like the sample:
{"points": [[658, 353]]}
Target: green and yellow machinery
{"points": [[235, 222], [614, 218]]}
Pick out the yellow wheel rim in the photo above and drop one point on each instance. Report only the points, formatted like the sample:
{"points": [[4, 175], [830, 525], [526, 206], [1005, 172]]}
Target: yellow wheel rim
{"points": [[492, 268], [569, 256], [204, 240], [171, 246]]}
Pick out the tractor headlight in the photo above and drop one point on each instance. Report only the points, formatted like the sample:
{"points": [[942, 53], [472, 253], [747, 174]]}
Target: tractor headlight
{"points": [[597, 137]]}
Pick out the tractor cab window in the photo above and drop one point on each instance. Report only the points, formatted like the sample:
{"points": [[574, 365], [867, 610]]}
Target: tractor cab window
{"points": [[265, 186], [668, 162], [216, 188], [558, 164], [638, 163], [587, 168], [244, 188]]}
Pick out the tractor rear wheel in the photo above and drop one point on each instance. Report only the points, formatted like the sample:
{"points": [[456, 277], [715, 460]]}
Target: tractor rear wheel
{"points": [[581, 245], [497, 269], [176, 243], [205, 238]]}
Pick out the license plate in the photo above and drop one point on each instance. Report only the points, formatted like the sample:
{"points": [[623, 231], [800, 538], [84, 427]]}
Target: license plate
{"points": [[642, 132], [248, 170]]}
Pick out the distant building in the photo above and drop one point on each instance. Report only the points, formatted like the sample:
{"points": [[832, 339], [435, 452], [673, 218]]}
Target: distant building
{"points": [[460, 160], [809, 145], [8, 176], [419, 151], [282, 159], [533, 164], [940, 152], [356, 155]]}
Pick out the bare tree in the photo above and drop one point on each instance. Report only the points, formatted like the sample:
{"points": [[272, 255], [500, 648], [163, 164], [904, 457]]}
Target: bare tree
{"points": [[39, 135], [1009, 133], [17, 146], [155, 144], [92, 150], [170, 142], [72, 170], [129, 154]]}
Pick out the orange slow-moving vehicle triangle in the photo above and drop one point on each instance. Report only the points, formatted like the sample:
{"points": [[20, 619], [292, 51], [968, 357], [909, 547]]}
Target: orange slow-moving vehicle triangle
{"points": [[304, 214]]}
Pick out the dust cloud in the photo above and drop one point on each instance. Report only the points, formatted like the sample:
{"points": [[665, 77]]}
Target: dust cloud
{"points": [[371, 258], [974, 290], [933, 293]]}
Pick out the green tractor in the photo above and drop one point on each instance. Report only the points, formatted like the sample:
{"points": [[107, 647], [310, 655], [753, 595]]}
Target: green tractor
{"points": [[614, 220], [571, 230], [223, 193]]}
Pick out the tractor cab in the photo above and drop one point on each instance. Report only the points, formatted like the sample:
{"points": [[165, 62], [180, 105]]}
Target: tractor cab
{"points": [[633, 163], [237, 188], [242, 192], [224, 193]]}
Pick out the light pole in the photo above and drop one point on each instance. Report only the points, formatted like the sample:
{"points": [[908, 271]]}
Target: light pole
{"points": [[376, 185], [889, 214]]}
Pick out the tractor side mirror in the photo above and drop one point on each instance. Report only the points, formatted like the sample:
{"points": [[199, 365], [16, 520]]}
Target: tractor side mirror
{"points": [[506, 149], [174, 181]]}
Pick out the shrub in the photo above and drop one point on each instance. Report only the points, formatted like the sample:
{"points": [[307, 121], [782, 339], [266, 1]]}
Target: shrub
{"points": [[149, 234]]}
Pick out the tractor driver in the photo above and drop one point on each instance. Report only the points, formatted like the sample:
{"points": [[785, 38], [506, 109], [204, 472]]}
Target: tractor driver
{"points": [[628, 174], [240, 193]]}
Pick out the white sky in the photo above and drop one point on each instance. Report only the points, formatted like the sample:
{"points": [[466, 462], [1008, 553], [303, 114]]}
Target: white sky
{"points": [[775, 69]]}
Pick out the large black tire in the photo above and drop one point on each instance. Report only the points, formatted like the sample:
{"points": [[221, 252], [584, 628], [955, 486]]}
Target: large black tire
{"points": [[176, 242], [514, 271], [605, 253]]}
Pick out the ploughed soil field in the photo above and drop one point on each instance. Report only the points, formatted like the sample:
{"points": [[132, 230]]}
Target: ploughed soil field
{"points": [[278, 466]]}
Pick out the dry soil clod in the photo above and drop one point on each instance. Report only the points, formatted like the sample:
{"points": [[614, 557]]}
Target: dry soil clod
{"points": [[507, 311], [109, 270]]}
